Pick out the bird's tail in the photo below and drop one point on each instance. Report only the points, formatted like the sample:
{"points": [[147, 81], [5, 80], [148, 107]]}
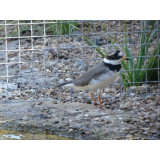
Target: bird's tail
{"points": [[65, 83]]}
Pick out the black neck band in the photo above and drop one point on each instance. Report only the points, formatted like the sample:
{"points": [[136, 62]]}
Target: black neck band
{"points": [[112, 67]]}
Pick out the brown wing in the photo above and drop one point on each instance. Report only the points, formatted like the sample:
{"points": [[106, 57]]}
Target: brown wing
{"points": [[93, 73]]}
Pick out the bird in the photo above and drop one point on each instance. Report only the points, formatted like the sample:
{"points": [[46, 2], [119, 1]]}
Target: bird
{"points": [[99, 76]]}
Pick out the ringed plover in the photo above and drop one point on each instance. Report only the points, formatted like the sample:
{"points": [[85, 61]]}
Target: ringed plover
{"points": [[99, 76]]}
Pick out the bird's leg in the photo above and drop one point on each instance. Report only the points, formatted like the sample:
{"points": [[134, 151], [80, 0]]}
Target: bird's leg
{"points": [[99, 98], [94, 100]]}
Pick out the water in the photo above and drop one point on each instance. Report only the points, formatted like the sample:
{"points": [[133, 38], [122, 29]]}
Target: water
{"points": [[15, 135]]}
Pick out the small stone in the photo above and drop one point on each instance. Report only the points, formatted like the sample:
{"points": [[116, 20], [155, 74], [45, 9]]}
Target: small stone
{"points": [[106, 133], [25, 118], [97, 119], [87, 133], [16, 98], [49, 116], [56, 122], [127, 120], [108, 122], [118, 95], [68, 79], [82, 132], [54, 102], [10, 98], [132, 94], [27, 71], [151, 97], [70, 130], [88, 101], [86, 115], [61, 81], [39, 103], [126, 106]]}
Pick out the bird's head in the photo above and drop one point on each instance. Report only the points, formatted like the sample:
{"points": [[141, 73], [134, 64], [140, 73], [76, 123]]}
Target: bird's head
{"points": [[114, 57]]}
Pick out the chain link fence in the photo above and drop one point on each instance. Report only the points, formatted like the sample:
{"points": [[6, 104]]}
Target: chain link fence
{"points": [[37, 55]]}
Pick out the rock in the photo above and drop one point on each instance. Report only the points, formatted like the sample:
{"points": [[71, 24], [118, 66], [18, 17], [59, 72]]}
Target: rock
{"points": [[25, 117], [87, 133], [143, 89], [151, 97], [114, 106], [131, 94], [27, 71], [86, 115], [98, 40], [108, 121], [128, 120], [63, 56], [98, 28], [49, 116], [97, 119], [68, 79], [61, 81], [54, 102], [126, 106], [70, 130], [56, 121]]}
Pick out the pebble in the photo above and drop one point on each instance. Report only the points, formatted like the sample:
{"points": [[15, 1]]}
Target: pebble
{"points": [[54, 102], [27, 71], [61, 81], [108, 122], [70, 130], [151, 97], [87, 133], [56, 122], [128, 120], [97, 119], [125, 106], [49, 116], [86, 115], [68, 79]]}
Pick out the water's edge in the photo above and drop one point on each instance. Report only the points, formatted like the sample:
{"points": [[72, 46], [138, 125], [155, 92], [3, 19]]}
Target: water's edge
{"points": [[17, 135]]}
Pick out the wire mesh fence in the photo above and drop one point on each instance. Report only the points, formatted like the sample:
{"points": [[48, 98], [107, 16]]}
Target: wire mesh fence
{"points": [[37, 55]]}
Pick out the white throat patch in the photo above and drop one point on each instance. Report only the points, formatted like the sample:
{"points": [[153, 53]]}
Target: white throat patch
{"points": [[114, 62]]}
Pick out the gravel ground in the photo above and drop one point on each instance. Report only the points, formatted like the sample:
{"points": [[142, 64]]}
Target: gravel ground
{"points": [[130, 118]]}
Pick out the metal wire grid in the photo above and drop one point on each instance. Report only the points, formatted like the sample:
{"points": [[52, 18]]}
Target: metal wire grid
{"points": [[14, 87]]}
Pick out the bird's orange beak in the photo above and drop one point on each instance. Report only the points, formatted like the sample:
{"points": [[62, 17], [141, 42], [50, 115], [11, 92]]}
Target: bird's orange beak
{"points": [[124, 58]]}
